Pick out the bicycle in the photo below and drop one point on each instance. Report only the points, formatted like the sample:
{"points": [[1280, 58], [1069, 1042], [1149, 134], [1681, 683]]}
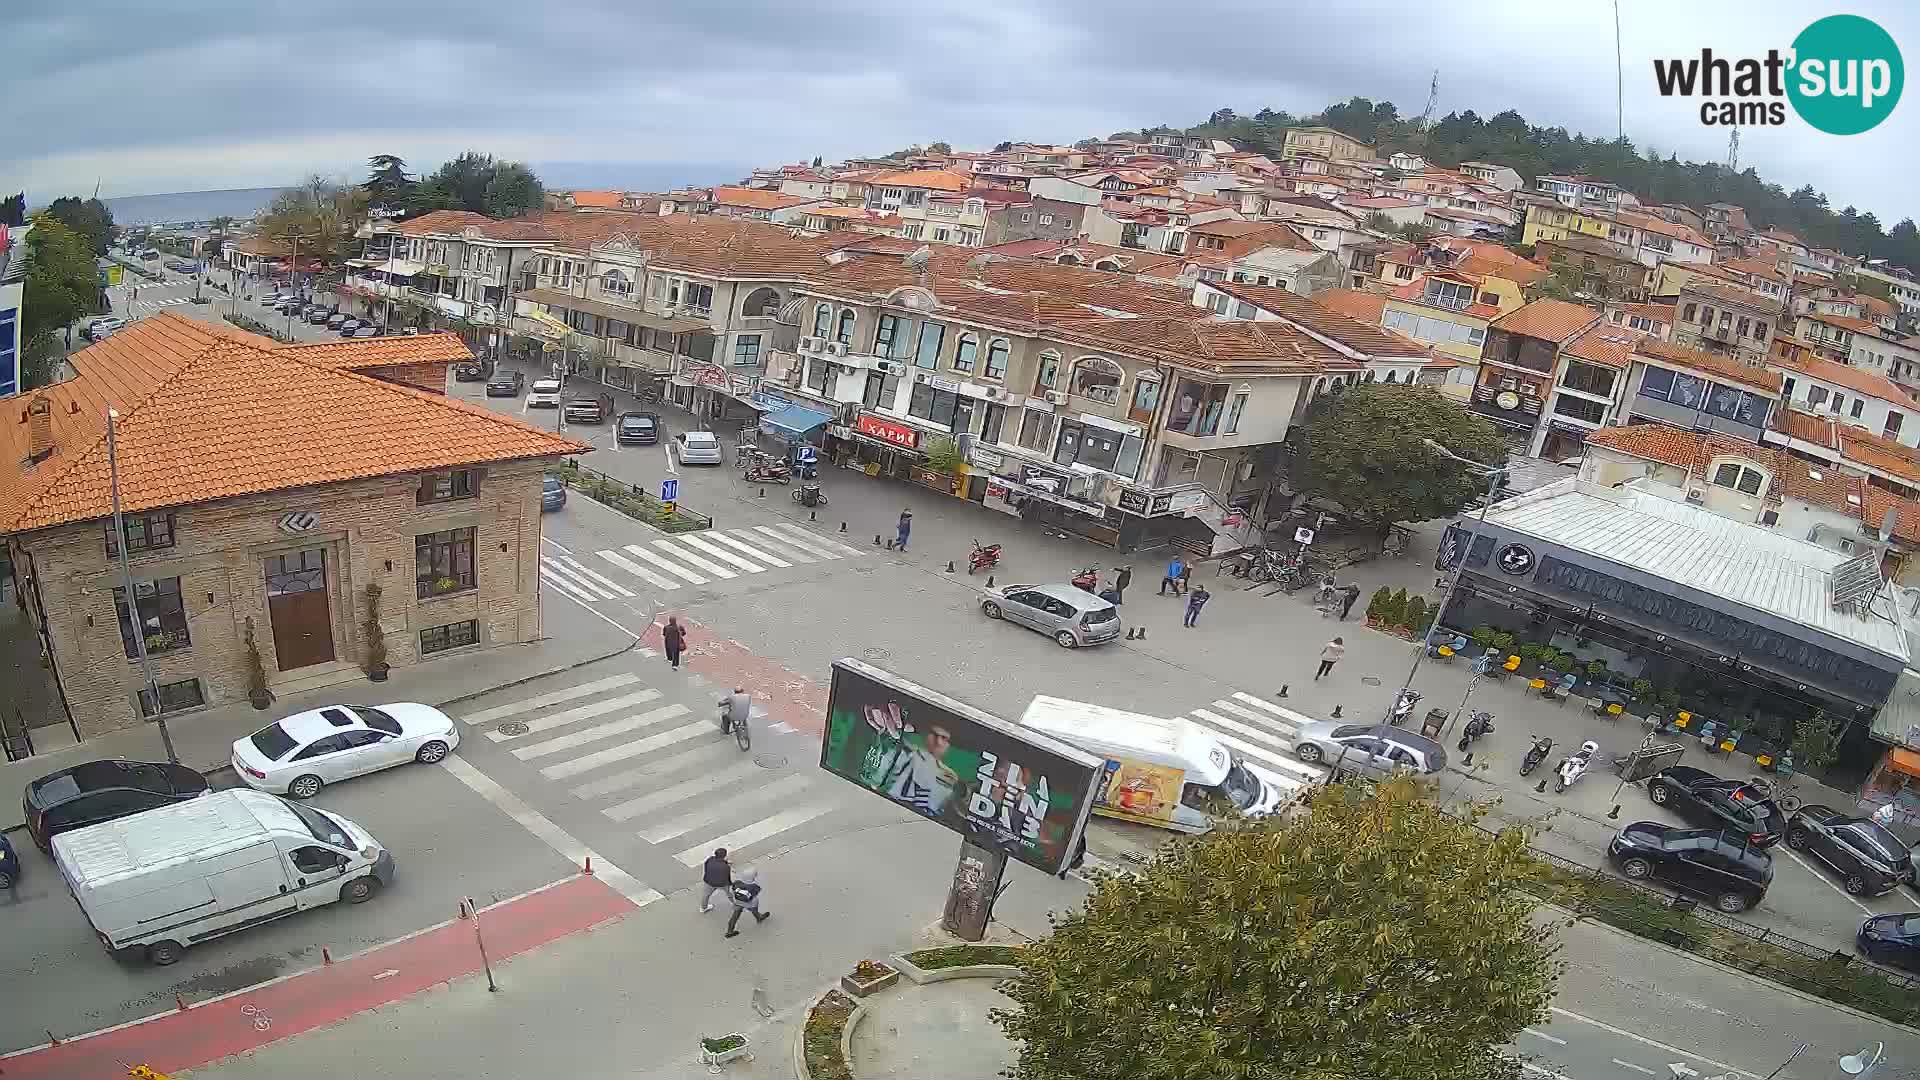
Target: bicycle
{"points": [[740, 731], [1781, 795]]}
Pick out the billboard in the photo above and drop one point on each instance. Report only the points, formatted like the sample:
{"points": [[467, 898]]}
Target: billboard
{"points": [[997, 784]]}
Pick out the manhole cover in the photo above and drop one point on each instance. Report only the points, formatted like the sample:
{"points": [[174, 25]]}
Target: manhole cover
{"points": [[770, 761], [1370, 680], [512, 727], [875, 654]]}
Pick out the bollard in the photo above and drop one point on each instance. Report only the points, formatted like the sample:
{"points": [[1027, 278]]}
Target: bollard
{"points": [[588, 868], [1129, 633], [1143, 634], [1614, 814], [889, 545], [843, 526], [813, 515], [949, 566], [1283, 690], [763, 493], [1467, 761], [1336, 712], [180, 1002], [51, 1041], [989, 581], [876, 539], [326, 956], [1540, 788]]}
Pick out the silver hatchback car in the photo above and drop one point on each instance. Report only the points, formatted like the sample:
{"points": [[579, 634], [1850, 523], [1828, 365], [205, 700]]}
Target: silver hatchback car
{"points": [[1376, 750], [1072, 617]]}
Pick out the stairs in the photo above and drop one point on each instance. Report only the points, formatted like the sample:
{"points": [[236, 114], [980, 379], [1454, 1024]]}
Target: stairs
{"points": [[331, 673], [1231, 529]]}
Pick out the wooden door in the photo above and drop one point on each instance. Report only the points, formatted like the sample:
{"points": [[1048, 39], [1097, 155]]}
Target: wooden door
{"points": [[298, 609]]}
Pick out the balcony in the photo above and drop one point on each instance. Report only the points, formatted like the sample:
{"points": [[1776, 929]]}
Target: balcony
{"points": [[1688, 417], [1509, 408]]}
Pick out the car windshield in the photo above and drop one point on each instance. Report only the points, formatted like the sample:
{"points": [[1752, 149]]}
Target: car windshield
{"points": [[321, 824], [1348, 731], [1100, 617], [547, 385], [703, 442], [551, 483], [1240, 786], [378, 720], [273, 741]]}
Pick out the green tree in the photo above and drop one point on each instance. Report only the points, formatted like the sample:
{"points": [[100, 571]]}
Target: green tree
{"points": [[1004, 145], [940, 148], [1378, 221], [88, 218], [1816, 741], [324, 213], [13, 209], [467, 183], [943, 455], [220, 225], [513, 190], [387, 185], [1372, 939], [63, 284], [1364, 450], [1416, 232]]}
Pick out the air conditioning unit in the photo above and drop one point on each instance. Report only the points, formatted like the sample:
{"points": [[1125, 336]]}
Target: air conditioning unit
{"points": [[836, 348], [1056, 397], [1695, 495], [809, 344], [994, 393], [891, 367]]}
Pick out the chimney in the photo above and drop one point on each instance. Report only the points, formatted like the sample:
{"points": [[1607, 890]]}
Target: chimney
{"points": [[39, 429]]}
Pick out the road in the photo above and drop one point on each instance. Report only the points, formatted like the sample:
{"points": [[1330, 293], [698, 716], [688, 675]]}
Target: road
{"points": [[137, 298]]}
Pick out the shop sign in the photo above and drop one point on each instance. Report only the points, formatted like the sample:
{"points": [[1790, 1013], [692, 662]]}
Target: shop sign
{"points": [[889, 432], [709, 376], [988, 459], [840, 431], [741, 386], [1133, 502], [948, 385], [1182, 501]]}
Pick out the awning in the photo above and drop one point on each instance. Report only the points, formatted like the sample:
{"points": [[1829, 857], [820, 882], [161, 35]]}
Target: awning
{"points": [[617, 312], [396, 267], [794, 420]]}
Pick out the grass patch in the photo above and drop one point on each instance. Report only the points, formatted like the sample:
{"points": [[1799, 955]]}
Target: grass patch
{"points": [[821, 1038], [255, 326], [633, 502], [948, 956]]}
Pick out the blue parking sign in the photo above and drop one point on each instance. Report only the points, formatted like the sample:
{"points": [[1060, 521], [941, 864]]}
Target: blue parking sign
{"points": [[669, 490]]}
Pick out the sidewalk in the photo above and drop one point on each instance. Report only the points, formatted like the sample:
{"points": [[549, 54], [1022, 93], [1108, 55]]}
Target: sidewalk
{"points": [[203, 739]]}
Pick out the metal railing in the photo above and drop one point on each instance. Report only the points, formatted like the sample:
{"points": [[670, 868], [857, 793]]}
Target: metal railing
{"points": [[633, 500]]}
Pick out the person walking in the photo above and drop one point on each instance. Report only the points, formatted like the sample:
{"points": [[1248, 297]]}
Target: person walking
{"points": [[1348, 596], [904, 530], [716, 875], [1176, 573], [1195, 601], [1120, 582], [674, 637], [1330, 655], [745, 894]]}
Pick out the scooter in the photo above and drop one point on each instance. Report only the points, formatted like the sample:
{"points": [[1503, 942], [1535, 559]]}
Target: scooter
{"points": [[1403, 706], [1574, 767], [1542, 746], [983, 558], [1479, 724], [768, 472], [1088, 579]]}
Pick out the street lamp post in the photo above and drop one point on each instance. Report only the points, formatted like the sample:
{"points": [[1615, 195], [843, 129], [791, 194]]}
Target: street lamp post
{"points": [[134, 626], [1493, 475]]}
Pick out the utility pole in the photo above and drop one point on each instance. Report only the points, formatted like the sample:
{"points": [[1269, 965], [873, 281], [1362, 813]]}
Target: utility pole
{"points": [[1493, 474], [135, 628], [293, 238]]}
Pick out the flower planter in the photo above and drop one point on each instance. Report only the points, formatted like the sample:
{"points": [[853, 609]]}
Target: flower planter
{"points": [[869, 977], [732, 1047]]}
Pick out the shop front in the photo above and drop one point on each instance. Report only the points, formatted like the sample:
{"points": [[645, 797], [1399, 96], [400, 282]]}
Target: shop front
{"points": [[709, 391]]}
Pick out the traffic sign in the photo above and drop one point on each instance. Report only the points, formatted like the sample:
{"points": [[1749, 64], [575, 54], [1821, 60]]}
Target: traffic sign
{"points": [[669, 490], [1303, 535]]}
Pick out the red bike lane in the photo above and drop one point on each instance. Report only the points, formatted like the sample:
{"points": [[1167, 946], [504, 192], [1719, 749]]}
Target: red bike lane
{"points": [[789, 698]]}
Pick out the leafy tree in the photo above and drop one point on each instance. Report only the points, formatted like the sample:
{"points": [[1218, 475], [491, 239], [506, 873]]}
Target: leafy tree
{"points": [[1086, 144], [1005, 145], [465, 183], [89, 218], [1816, 741], [1372, 939], [387, 185], [221, 224], [323, 213], [513, 191], [1364, 450], [13, 209], [816, 161], [1417, 232], [940, 148], [1378, 221], [63, 284]]}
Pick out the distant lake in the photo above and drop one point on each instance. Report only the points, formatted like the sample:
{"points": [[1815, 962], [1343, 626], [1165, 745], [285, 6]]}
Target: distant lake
{"points": [[182, 206]]}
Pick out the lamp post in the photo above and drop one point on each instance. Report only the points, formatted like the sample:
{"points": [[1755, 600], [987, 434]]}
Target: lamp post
{"points": [[1493, 474], [134, 626]]}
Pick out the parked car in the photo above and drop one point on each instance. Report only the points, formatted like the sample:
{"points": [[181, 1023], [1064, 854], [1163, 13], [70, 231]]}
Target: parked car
{"points": [[699, 448], [585, 410], [545, 394], [1891, 939], [363, 330], [1376, 750], [103, 328], [97, 791], [471, 371], [1706, 800], [1869, 859], [334, 321], [350, 327], [506, 384], [637, 429], [297, 755], [553, 492], [1721, 867], [1071, 617], [9, 863], [321, 316]]}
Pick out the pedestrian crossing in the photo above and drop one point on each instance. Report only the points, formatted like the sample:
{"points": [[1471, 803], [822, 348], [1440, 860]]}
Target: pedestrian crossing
{"points": [[1264, 734], [662, 772], [142, 308], [694, 559]]}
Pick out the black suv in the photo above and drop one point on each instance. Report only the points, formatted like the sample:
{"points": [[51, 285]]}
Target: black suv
{"points": [[1708, 863], [506, 383], [1710, 802], [637, 429], [1869, 859], [100, 791], [471, 371]]}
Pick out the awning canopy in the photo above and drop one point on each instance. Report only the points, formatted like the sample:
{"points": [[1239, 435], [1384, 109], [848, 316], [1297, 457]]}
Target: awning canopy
{"points": [[794, 420], [617, 312], [396, 267]]}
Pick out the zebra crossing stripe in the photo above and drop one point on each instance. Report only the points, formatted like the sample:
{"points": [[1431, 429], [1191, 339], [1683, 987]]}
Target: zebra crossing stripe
{"points": [[580, 584], [620, 781], [1260, 719], [723, 538], [754, 833], [636, 722], [589, 762], [670, 567], [667, 796], [722, 554], [830, 545], [1266, 756], [1288, 765], [674, 550], [579, 712], [1285, 714], [790, 550], [637, 570], [605, 582], [547, 575], [794, 541], [680, 826], [515, 708], [1251, 732]]}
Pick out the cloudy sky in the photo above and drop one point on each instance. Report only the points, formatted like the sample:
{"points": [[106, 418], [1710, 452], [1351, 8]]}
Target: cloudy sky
{"points": [[172, 95]]}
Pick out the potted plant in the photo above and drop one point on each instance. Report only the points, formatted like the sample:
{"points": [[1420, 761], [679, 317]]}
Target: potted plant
{"points": [[868, 977], [720, 1049], [1416, 616], [257, 693], [157, 642], [376, 639], [1482, 636], [1597, 670], [444, 585]]}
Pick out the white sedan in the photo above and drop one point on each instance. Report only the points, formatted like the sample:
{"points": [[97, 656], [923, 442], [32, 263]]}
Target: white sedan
{"points": [[300, 754]]}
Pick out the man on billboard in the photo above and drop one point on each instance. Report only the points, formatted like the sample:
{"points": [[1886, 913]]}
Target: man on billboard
{"points": [[912, 774]]}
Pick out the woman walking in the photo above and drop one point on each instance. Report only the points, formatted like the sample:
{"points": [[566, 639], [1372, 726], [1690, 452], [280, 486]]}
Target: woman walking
{"points": [[674, 636]]}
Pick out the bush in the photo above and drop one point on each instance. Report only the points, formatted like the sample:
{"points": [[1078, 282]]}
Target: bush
{"points": [[1642, 690], [1416, 615], [1396, 613], [1377, 606], [1562, 663], [963, 955], [1597, 670], [1529, 651], [1482, 636], [1502, 642]]}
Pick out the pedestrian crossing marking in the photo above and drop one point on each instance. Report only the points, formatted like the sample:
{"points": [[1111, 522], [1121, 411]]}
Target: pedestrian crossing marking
{"points": [[637, 722], [667, 830], [552, 577], [580, 712], [804, 544], [1285, 714], [765, 557], [634, 749], [598, 578], [670, 567], [664, 767], [673, 549], [667, 796], [1249, 731], [515, 708], [718, 552], [637, 570], [1258, 718], [748, 835], [816, 538], [786, 548]]}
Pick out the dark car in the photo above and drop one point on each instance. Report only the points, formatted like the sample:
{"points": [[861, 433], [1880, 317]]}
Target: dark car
{"points": [[319, 316], [9, 863], [585, 410], [1891, 939], [1709, 863], [506, 384], [100, 791], [1710, 802], [471, 371], [1869, 859], [553, 493], [348, 328], [638, 429]]}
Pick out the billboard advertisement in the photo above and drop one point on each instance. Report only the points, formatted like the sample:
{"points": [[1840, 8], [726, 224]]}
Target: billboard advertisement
{"points": [[995, 783]]}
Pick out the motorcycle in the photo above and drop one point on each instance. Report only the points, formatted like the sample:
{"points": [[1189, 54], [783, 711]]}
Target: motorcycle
{"points": [[983, 558], [1542, 746], [1574, 766], [1088, 579], [1480, 724], [768, 472], [1403, 706]]}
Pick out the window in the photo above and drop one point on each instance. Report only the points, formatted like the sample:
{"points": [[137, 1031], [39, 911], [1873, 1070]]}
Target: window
{"points": [[819, 375], [1742, 479], [1839, 401], [1243, 310], [997, 359], [1588, 379], [1402, 272], [162, 620], [1591, 412], [699, 297], [1816, 395], [447, 486], [443, 562], [1146, 397], [927, 354], [1894, 420], [746, 350], [996, 419], [1036, 430], [886, 333], [942, 235], [332, 744], [1858, 405], [1760, 330], [1233, 412], [822, 321], [145, 532], [451, 636], [1490, 299], [1740, 329], [174, 696], [1026, 217], [314, 859], [1098, 379], [1220, 303], [965, 352], [934, 406], [1046, 219], [844, 334], [616, 283]]}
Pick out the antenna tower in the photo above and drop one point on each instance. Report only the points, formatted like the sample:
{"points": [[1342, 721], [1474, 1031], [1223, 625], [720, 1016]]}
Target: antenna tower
{"points": [[1733, 151], [1433, 99]]}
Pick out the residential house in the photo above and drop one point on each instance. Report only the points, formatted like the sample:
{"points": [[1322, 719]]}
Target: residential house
{"points": [[1467, 223], [1760, 275], [1407, 162], [1521, 361], [1445, 314], [1383, 355], [1655, 320], [1603, 269], [1905, 291], [1699, 391], [908, 193], [1586, 386], [1399, 209], [1832, 336], [1726, 220], [1499, 176], [1036, 219], [826, 219], [1850, 395], [1897, 356], [1725, 319], [1585, 191], [761, 204], [1324, 143]]}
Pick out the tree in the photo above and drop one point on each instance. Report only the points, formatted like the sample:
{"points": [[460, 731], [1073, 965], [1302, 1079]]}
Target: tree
{"points": [[464, 183], [1375, 938], [13, 210], [387, 185], [324, 213], [1086, 144], [1816, 742], [1364, 450], [940, 148], [512, 191], [1416, 232], [89, 218], [1378, 221], [63, 283], [221, 225], [1003, 146], [816, 161]]}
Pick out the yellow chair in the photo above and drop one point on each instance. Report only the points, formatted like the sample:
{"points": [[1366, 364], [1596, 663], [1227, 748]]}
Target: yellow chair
{"points": [[1512, 664], [1614, 708], [1726, 746], [1683, 719], [1763, 759], [1537, 684], [1445, 652]]}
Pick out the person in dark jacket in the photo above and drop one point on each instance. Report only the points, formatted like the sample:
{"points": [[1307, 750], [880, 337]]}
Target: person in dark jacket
{"points": [[674, 637], [745, 894], [904, 530], [1120, 582], [716, 875], [1347, 596]]}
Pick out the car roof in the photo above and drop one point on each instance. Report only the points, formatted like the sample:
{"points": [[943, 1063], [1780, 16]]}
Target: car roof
{"points": [[552, 383], [313, 724], [1081, 599], [55, 788]]}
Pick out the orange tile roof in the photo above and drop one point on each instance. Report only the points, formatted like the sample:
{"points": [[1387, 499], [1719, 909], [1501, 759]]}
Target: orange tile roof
{"points": [[1806, 427], [1873, 305], [1845, 322], [1654, 442], [1732, 294], [1877, 501], [604, 200], [1724, 369], [441, 222], [934, 179], [757, 198], [1853, 378], [1356, 334], [1354, 303], [1656, 312], [1546, 319], [208, 414], [1794, 477], [1761, 268], [359, 355], [1604, 343], [1876, 451]]}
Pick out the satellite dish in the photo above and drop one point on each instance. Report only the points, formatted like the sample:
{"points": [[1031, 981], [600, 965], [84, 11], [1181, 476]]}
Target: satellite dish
{"points": [[919, 259]]}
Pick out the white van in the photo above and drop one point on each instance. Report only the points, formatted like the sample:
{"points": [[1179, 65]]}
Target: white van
{"points": [[175, 876], [1160, 771]]}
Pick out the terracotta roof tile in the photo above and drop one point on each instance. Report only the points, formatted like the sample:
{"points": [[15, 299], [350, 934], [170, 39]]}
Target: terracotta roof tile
{"points": [[209, 415], [758, 198], [603, 200], [1546, 319], [1654, 442], [1356, 334], [1761, 268], [1723, 368], [1358, 304], [1604, 343], [358, 355], [1853, 378], [934, 179], [1845, 322], [1730, 294], [441, 222], [1877, 501], [1806, 427], [1876, 451]]}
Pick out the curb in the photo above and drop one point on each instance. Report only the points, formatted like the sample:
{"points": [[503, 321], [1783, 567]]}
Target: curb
{"points": [[555, 670], [920, 976], [846, 1035]]}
